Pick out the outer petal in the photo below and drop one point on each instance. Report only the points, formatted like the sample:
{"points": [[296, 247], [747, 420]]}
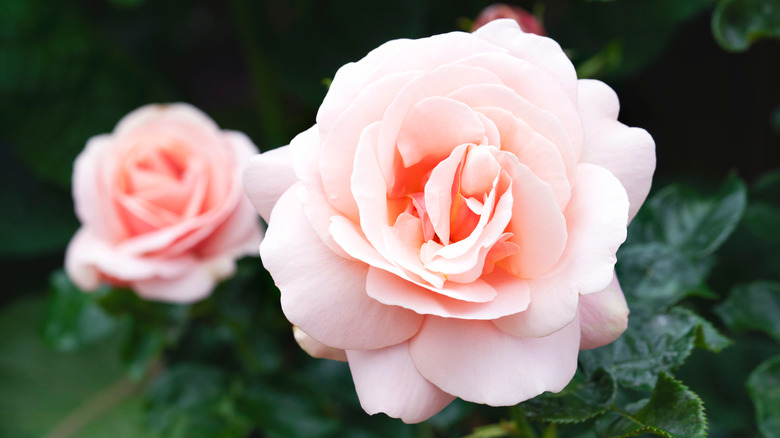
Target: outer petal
{"points": [[541, 51], [629, 153], [317, 349], [266, 177], [477, 362], [322, 293], [603, 316], [195, 284], [387, 381]]}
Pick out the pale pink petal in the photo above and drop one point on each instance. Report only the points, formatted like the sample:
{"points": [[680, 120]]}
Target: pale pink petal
{"points": [[541, 51], [533, 150], [439, 192], [603, 316], [629, 153], [439, 82], [537, 226], [317, 349], [194, 284], [325, 294], [174, 112], [595, 220], [434, 126], [539, 120], [511, 295], [553, 305], [338, 147], [476, 361], [535, 85], [386, 380], [266, 177], [91, 188]]}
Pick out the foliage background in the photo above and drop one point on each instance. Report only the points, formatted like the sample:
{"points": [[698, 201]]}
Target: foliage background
{"points": [[701, 76]]}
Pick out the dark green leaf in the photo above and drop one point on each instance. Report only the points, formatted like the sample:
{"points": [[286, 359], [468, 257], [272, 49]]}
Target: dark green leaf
{"points": [[694, 224], [284, 413], [753, 306], [657, 275], [192, 400], [737, 24], [140, 348], [673, 411], [74, 319], [47, 393], [582, 399], [652, 344], [764, 387]]}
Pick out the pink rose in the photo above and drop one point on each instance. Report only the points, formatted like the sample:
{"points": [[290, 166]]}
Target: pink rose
{"points": [[525, 19], [161, 205], [452, 219]]}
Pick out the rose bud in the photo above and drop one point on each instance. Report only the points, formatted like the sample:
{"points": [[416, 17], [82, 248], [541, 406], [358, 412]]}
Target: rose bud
{"points": [[526, 20]]}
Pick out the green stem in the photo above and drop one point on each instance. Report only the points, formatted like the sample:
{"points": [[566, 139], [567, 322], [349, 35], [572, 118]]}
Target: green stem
{"points": [[524, 428], [102, 402], [263, 83]]}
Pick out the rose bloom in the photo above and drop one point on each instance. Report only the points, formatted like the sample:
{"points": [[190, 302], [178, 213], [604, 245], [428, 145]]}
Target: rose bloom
{"points": [[449, 226], [525, 19], [161, 205]]}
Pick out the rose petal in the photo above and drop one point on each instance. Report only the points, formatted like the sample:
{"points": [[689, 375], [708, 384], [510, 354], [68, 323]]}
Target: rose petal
{"points": [[511, 295], [266, 177], [477, 362], [317, 349], [322, 293], [603, 316], [542, 52], [434, 126], [386, 380], [596, 227], [629, 153]]}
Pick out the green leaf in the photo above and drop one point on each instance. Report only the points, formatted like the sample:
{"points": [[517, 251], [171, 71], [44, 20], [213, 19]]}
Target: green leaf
{"points": [[764, 387], [74, 320], [582, 399], [150, 328], [651, 345], [753, 306], [657, 275], [286, 412], [48, 393], [698, 225], [763, 214], [193, 400], [737, 24], [673, 411]]}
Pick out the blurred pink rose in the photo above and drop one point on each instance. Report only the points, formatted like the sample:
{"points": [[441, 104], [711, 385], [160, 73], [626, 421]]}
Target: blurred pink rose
{"points": [[526, 20], [161, 205], [452, 219]]}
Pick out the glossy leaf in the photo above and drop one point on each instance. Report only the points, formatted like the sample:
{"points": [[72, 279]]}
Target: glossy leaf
{"points": [[764, 387], [673, 411], [653, 344], [753, 306], [74, 319], [582, 399]]}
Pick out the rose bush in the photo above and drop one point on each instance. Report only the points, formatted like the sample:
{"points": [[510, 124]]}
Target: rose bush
{"points": [[161, 205], [450, 224]]}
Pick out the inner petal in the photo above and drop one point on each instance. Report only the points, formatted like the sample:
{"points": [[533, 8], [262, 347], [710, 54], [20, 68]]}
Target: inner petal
{"points": [[434, 126]]}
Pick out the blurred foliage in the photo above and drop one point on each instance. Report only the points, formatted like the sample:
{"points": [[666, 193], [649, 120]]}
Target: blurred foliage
{"points": [[737, 24], [700, 268]]}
